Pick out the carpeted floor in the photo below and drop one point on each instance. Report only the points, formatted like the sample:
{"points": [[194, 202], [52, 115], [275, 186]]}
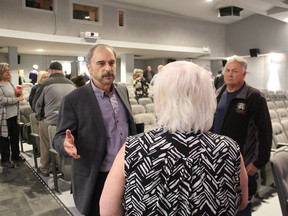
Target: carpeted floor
{"points": [[22, 193]]}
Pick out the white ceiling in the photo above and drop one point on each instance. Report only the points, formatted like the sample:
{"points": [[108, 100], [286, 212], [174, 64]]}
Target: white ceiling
{"points": [[193, 9], [208, 10]]}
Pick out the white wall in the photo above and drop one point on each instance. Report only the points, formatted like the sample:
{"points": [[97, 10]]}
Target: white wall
{"points": [[256, 31], [270, 36], [140, 26]]}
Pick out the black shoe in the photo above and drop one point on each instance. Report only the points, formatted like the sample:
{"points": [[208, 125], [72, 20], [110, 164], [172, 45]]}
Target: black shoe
{"points": [[8, 164], [42, 173], [18, 159]]}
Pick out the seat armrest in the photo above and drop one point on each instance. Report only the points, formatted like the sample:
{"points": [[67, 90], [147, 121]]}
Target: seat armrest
{"points": [[282, 144], [53, 151], [34, 135]]}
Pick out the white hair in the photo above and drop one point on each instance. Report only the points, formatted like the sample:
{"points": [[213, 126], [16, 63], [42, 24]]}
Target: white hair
{"points": [[239, 60], [184, 98]]}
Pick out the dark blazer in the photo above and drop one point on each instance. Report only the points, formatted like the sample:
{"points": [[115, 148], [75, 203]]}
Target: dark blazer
{"points": [[80, 112]]}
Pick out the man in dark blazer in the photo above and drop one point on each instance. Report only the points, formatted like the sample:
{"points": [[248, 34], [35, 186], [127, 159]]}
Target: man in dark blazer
{"points": [[94, 121]]}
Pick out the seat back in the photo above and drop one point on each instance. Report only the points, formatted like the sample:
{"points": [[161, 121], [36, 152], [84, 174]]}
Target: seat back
{"points": [[64, 164], [279, 164], [271, 96], [133, 101], [284, 124], [271, 105], [280, 104], [149, 120], [25, 112], [149, 108], [286, 103], [51, 133], [34, 136], [34, 123], [144, 101], [282, 113], [279, 135], [281, 95], [273, 115], [137, 108]]}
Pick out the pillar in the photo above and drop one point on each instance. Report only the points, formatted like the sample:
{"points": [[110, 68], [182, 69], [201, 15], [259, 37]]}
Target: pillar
{"points": [[126, 68], [13, 62]]}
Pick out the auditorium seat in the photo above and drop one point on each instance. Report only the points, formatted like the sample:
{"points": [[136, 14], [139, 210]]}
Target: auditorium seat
{"points": [[144, 101], [274, 116], [271, 105], [279, 135], [280, 104], [149, 120], [149, 108], [280, 171], [137, 108], [133, 101]]}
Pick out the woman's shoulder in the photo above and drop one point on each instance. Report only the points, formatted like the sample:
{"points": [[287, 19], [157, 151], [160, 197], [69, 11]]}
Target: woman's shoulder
{"points": [[145, 139], [222, 140]]}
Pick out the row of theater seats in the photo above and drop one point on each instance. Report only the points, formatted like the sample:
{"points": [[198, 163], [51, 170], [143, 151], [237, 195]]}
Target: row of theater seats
{"points": [[29, 134], [143, 112], [279, 120], [278, 111], [277, 167], [131, 91], [275, 95]]}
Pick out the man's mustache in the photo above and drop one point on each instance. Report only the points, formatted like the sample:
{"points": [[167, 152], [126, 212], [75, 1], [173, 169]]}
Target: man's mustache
{"points": [[108, 74]]}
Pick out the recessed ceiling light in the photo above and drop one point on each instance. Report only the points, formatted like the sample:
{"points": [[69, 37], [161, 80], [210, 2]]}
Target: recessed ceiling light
{"points": [[40, 50], [209, 0]]}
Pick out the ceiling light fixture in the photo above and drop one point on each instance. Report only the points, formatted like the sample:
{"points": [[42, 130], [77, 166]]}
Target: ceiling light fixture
{"points": [[40, 50]]}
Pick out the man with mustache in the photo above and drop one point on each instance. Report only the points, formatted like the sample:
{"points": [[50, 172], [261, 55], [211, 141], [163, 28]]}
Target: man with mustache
{"points": [[94, 121]]}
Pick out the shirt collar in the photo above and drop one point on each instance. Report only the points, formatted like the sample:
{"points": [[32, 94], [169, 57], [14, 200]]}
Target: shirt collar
{"points": [[100, 93]]}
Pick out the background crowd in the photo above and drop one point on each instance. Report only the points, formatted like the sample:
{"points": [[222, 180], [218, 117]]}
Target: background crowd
{"points": [[209, 145]]}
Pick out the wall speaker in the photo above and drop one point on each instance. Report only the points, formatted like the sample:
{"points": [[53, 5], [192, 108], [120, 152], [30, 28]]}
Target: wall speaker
{"points": [[224, 61], [229, 11], [170, 60], [254, 52], [19, 59]]}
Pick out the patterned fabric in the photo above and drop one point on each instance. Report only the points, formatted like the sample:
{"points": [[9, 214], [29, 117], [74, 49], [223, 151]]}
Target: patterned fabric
{"points": [[5, 101], [3, 122], [141, 87], [181, 174]]}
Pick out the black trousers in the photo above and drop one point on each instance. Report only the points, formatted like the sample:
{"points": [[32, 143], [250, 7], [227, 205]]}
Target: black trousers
{"points": [[95, 210], [12, 141]]}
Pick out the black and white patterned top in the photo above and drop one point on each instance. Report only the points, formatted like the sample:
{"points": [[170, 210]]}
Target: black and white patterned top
{"points": [[181, 174]]}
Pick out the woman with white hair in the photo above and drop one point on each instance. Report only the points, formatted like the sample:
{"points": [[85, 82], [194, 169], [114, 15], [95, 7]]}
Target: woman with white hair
{"points": [[181, 168]]}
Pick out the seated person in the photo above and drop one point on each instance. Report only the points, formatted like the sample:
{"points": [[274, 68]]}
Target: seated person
{"points": [[139, 83]]}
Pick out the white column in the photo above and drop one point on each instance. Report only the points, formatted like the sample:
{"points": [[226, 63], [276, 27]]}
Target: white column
{"points": [[13, 63], [127, 67]]}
